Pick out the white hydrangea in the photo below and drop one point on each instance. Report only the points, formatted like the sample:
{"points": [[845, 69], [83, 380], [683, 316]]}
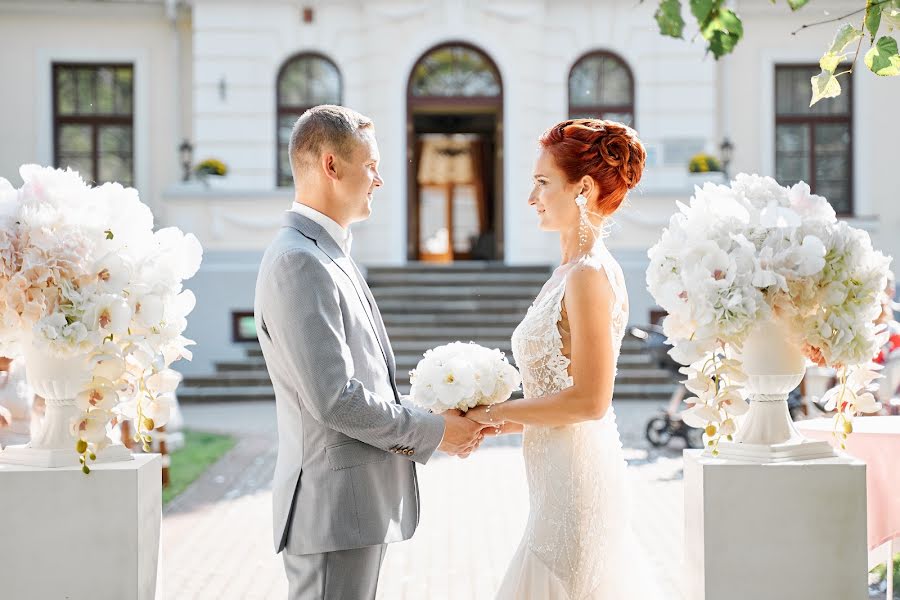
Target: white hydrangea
{"points": [[738, 254], [83, 273]]}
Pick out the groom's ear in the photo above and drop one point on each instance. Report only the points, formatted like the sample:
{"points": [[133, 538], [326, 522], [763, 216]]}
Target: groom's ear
{"points": [[329, 163]]}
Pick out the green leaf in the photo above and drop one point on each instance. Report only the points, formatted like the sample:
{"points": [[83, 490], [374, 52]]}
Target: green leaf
{"points": [[109, 234], [797, 4], [883, 58], [723, 31], [845, 36], [830, 61], [824, 85], [873, 16], [668, 16], [701, 9]]}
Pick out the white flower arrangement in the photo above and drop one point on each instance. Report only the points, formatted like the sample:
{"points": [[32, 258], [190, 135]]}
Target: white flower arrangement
{"points": [[461, 376], [83, 273], [755, 250]]}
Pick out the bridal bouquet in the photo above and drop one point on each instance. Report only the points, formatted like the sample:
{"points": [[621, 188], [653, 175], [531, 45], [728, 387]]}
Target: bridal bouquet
{"points": [[82, 273], [739, 254], [462, 376]]}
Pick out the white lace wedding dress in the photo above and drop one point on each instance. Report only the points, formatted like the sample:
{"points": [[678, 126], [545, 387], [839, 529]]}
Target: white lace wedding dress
{"points": [[578, 542]]}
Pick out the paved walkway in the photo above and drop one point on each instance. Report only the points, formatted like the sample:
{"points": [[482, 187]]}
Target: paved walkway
{"points": [[216, 536]]}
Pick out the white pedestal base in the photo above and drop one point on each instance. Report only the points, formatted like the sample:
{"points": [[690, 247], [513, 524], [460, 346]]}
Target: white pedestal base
{"points": [[786, 531], [81, 537], [53, 458], [774, 453]]}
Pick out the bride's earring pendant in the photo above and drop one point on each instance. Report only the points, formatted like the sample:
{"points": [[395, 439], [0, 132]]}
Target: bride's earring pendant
{"points": [[583, 226]]}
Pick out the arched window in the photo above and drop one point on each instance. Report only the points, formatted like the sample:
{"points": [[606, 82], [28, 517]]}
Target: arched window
{"points": [[454, 71], [304, 81], [601, 86]]}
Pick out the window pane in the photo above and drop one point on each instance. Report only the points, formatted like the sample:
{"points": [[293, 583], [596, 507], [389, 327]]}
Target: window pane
{"points": [[621, 117], [116, 167], [308, 81], [455, 71], [115, 138], [793, 92], [792, 154], [124, 91], [598, 80], [285, 126], [116, 148], [83, 163], [65, 91], [105, 91], [75, 139], [832, 164], [86, 86]]}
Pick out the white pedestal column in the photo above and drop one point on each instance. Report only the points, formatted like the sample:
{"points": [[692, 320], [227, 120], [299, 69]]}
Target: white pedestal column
{"points": [[781, 531], [81, 537]]}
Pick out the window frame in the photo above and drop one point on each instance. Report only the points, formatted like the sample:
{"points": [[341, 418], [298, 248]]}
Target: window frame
{"points": [[812, 120], [600, 110], [284, 110], [94, 121]]}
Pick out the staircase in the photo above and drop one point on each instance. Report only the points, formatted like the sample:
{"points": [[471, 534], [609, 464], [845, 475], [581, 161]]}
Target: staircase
{"points": [[426, 305]]}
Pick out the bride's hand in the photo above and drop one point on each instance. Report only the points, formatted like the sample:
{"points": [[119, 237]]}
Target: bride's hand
{"points": [[479, 414]]}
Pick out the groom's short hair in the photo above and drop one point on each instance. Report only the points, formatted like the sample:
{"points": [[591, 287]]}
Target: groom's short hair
{"points": [[324, 128]]}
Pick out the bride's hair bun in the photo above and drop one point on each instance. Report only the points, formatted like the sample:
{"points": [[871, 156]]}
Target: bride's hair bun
{"points": [[609, 152]]}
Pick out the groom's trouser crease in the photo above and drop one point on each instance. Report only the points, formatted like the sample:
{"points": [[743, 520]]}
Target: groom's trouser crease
{"points": [[340, 575]]}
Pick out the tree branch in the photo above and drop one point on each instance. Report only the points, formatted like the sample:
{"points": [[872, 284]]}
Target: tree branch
{"points": [[841, 18]]}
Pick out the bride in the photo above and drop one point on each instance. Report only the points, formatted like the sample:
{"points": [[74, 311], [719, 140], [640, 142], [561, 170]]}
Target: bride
{"points": [[578, 541]]}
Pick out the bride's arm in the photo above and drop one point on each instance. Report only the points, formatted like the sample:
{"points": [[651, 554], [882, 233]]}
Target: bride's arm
{"points": [[589, 299]]}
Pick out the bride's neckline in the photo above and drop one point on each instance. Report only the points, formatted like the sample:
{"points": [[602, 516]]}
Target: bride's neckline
{"points": [[592, 253]]}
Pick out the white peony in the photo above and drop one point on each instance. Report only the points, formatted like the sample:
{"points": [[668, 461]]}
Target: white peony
{"points": [[461, 376]]}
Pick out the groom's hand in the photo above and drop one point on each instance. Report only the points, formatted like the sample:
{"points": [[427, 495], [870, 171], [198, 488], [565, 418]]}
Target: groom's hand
{"points": [[461, 435]]}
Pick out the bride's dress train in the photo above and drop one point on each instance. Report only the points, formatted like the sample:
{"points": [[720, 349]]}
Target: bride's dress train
{"points": [[578, 543]]}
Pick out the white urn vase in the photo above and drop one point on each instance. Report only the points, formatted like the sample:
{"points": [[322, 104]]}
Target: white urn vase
{"points": [[774, 365], [58, 381]]}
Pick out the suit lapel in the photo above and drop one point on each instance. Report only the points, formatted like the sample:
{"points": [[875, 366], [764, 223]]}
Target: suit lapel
{"points": [[326, 244], [379, 322]]}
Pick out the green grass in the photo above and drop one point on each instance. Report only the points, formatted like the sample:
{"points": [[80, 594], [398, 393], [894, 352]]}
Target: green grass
{"points": [[200, 451], [881, 571]]}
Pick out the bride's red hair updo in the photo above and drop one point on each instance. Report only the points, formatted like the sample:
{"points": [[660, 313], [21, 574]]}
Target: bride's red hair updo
{"points": [[609, 152]]}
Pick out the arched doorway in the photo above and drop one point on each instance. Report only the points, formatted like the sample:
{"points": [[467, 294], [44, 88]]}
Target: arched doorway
{"points": [[454, 156]]}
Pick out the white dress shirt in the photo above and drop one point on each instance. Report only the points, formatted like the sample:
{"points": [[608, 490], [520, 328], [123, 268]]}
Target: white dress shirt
{"points": [[342, 236]]}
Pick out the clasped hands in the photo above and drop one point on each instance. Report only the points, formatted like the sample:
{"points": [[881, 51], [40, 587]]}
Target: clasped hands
{"points": [[464, 432]]}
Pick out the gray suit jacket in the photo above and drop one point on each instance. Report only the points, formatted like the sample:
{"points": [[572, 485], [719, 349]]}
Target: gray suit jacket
{"points": [[345, 476]]}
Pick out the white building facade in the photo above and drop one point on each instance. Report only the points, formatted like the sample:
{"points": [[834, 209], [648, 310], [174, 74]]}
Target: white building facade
{"points": [[114, 88]]}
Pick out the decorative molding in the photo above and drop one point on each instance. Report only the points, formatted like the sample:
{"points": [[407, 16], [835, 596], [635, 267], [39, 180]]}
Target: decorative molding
{"points": [[398, 11], [512, 12]]}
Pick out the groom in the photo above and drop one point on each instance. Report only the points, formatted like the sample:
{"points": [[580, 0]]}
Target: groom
{"points": [[345, 479]]}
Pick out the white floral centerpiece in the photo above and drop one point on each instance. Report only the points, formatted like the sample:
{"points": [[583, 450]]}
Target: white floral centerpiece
{"points": [[85, 280], [462, 376], [756, 252]]}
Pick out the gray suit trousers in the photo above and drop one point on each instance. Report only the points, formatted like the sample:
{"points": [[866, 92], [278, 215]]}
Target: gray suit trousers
{"points": [[341, 575]]}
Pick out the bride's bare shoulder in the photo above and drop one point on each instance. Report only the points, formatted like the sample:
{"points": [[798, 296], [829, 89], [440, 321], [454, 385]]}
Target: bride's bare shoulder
{"points": [[588, 283]]}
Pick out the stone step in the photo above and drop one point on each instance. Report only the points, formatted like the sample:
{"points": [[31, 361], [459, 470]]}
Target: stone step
{"points": [[455, 319], [248, 364], [188, 394], [477, 267], [454, 306], [536, 280], [418, 347], [225, 394], [238, 378], [455, 292], [622, 391]]}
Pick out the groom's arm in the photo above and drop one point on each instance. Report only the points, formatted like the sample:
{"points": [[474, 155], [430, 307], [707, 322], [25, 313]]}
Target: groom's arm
{"points": [[304, 319]]}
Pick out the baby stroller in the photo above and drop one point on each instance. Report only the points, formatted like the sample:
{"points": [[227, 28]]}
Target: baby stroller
{"points": [[667, 425]]}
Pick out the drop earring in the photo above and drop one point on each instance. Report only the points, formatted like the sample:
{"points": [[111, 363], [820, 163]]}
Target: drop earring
{"points": [[583, 227]]}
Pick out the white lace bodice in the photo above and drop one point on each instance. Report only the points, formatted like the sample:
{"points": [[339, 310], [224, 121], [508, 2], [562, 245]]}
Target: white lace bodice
{"points": [[537, 342], [577, 527]]}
